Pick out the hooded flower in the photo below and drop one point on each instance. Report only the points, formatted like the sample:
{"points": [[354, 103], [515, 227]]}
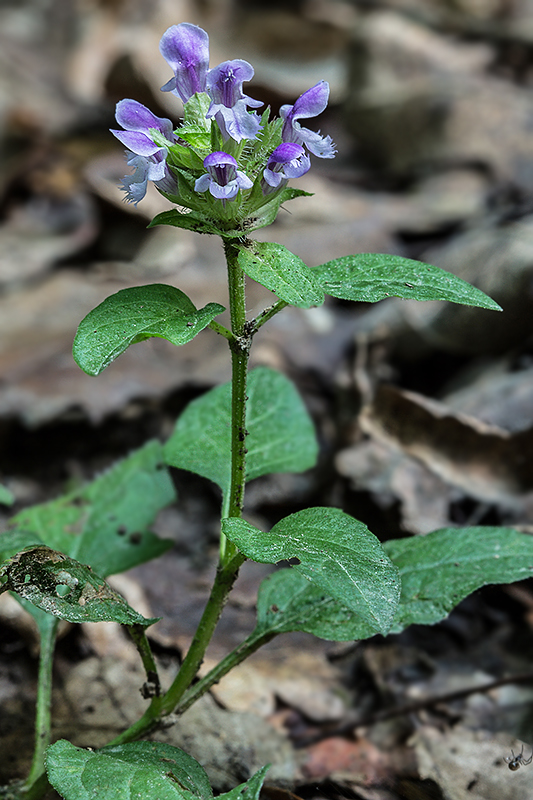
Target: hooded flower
{"points": [[309, 104], [229, 103], [287, 161], [222, 178], [185, 48], [144, 154]]}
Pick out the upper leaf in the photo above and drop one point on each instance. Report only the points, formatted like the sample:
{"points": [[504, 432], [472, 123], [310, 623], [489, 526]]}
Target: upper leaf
{"points": [[369, 277], [289, 602], [281, 434], [336, 552], [279, 270], [147, 770], [440, 569], [104, 524], [133, 315], [65, 588]]}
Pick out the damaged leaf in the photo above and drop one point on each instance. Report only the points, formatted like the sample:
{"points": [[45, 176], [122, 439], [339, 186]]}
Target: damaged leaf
{"points": [[105, 523], [65, 588]]}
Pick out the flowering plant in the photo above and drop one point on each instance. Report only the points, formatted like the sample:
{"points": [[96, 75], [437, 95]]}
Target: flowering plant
{"points": [[226, 170]]}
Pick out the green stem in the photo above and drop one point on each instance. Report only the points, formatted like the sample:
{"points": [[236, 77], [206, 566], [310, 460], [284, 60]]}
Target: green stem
{"points": [[237, 656], [221, 329], [152, 687], [266, 314], [43, 718], [230, 558]]}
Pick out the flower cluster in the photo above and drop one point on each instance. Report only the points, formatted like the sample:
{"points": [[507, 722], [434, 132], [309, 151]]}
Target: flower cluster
{"points": [[223, 151]]}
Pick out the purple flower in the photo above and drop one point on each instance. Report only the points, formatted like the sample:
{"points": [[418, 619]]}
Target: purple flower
{"points": [[309, 104], [148, 158], [185, 48], [229, 103], [222, 178], [287, 161]]}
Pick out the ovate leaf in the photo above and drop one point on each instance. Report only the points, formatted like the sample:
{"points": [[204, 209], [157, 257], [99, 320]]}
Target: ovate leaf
{"points": [[279, 270], [289, 602], [281, 434], [65, 588], [441, 568], [133, 315], [105, 523], [370, 277], [336, 552], [147, 770]]}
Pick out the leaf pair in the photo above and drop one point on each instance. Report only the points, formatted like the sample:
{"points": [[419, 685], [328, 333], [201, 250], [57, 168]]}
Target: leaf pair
{"points": [[133, 315], [436, 572]]}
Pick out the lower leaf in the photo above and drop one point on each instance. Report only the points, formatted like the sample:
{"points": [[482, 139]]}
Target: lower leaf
{"points": [[148, 770]]}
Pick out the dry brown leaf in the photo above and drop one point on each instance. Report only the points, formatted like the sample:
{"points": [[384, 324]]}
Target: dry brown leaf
{"points": [[486, 462]]}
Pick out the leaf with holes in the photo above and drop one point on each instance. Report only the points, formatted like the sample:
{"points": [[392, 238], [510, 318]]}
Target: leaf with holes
{"points": [[440, 569], [281, 434], [279, 270], [335, 552], [105, 523], [65, 588], [147, 770], [369, 277], [133, 315]]}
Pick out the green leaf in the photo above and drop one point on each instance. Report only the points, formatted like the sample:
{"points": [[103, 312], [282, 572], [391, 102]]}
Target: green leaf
{"points": [[279, 270], [249, 790], [336, 552], [189, 222], [440, 569], [6, 497], [104, 524], [147, 770], [281, 434], [289, 602], [15, 540], [268, 211], [65, 588], [369, 277], [133, 315]]}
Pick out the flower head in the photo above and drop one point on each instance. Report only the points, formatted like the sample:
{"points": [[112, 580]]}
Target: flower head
{"points": [[222, 178], [287, 161], [309, 104], [185, 48], [228, 101], [147, 157]]}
